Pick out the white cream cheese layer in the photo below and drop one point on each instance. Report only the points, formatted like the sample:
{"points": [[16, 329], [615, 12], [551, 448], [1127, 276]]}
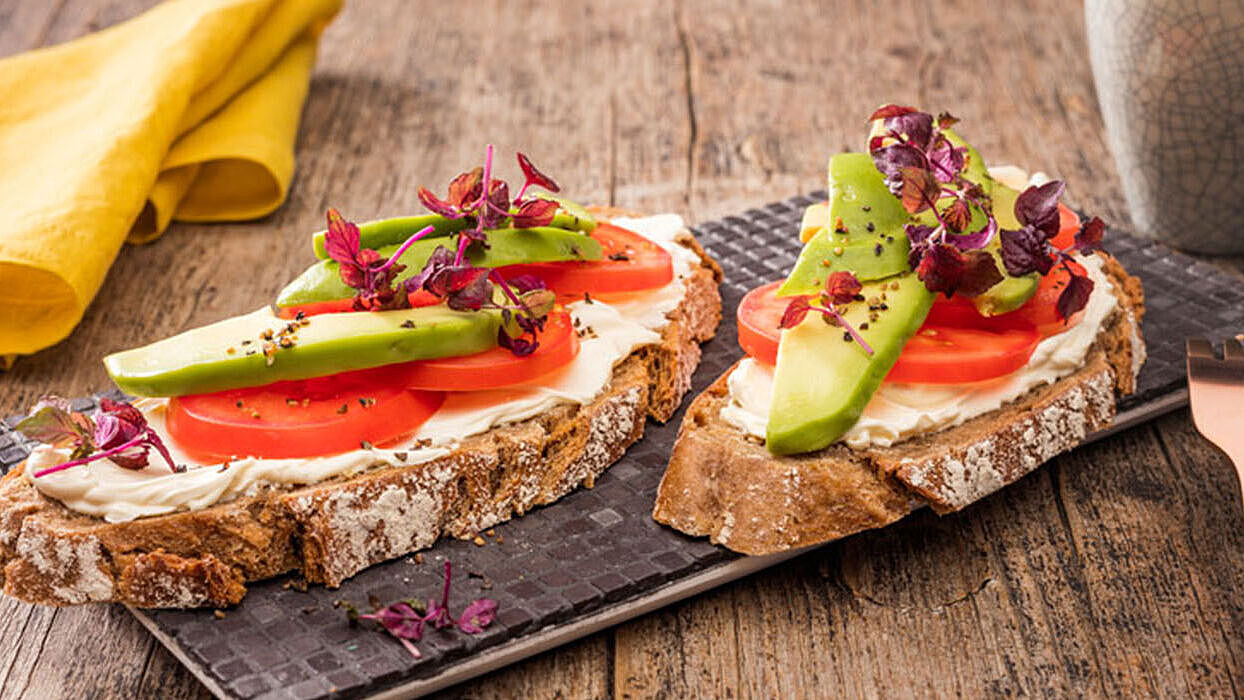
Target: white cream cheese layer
{"points": [[105, 490], [899, 411]]}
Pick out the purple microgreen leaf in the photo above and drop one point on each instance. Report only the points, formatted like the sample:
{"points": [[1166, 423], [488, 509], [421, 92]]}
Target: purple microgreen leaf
{"points": [[440, 259], [341, 241], [947, 161], [539, 302], [1074, 296], [920, 189], [437, 205], [980, 273], [1037, 207], [891, 160], [915, 127], [534, 212], [918, 235], [1088, 238], [890, 110], [978, 239], [134, 457], [465, 189], [478, 615], [957, 215], [942, 268], [125, 412], [534, 176], [842, 286], [52, 422], [526, 283], [496, 208], [438, 613], [108, 431], [400, 620], [1025, 251], [475, 290], [795, 312], [516, 344]]}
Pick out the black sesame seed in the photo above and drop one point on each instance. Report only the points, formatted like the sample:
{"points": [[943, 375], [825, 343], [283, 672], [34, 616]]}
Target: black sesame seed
{"points": [[871, 227], [877, 249], [889, 239], [864, 326], [866, 208], [846, 335]]}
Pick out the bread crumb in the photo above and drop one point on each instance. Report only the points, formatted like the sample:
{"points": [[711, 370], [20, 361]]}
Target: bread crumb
{"points": [[218, 614], [479, 541]]}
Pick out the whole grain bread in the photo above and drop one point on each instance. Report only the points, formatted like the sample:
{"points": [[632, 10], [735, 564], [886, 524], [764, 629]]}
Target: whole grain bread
{"points": [[331, 530], [726, 485]]}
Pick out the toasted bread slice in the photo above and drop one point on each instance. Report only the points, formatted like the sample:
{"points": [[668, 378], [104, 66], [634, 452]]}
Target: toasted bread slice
{"points": [[331, 530], [726, 485]]}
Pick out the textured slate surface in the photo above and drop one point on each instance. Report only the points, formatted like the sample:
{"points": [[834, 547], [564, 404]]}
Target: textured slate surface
{"points": [[595, 548]]}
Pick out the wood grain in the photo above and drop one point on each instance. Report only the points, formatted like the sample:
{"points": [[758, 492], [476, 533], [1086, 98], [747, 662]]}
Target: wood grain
{"points": [[1115, 570]]}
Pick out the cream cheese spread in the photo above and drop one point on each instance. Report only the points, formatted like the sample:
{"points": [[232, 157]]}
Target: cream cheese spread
{"points": [[899, 411], [105, 490]]}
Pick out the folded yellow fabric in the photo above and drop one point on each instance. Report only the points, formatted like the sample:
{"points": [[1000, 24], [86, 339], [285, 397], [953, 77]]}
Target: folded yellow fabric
{"points": [[189, 111]]}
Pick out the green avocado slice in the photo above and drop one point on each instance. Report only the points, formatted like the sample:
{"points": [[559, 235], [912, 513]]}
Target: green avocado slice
{"points": [[1012, 292], [570, 216], [322, 281], [870, 242], [394, 231], [229, 354], [823, 381]]}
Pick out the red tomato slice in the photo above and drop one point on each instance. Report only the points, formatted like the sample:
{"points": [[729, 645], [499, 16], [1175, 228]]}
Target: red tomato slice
{"points": [[957, 354], [498, 367], [323, 416], [960, 346], [630, 263], [1041, 310], [417, 298], [759, 314], [1068, 227]]}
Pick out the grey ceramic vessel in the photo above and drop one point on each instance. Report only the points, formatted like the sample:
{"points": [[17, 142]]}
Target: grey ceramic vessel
{"points": [[1170, 80]]}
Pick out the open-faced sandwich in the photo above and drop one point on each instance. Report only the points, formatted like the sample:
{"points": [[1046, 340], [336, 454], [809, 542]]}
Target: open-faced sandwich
{"points": [[945, 330], [430, 375]]}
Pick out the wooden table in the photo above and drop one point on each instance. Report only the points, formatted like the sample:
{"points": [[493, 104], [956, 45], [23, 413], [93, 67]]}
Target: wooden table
{"points": [[1112, 570]]}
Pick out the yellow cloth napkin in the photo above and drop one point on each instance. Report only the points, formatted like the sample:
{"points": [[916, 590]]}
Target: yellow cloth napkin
{"points": [[189, 111]]}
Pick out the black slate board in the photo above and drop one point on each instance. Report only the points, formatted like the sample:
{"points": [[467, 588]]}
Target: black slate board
{"points": [[595, 558]]}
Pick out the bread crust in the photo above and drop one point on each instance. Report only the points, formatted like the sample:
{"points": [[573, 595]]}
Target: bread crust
{"points": [[726, 485], [329, 531]]}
